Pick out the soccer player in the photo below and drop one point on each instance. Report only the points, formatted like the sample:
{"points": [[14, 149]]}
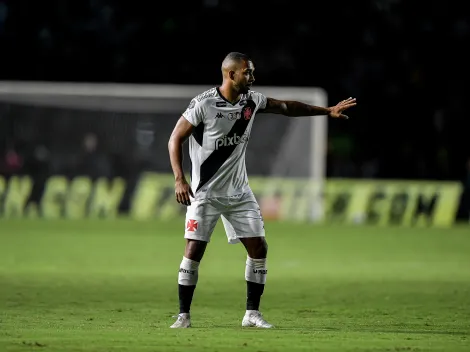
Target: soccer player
{"points": [[218, 124]]}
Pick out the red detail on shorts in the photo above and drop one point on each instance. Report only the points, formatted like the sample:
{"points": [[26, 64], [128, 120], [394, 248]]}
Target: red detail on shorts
{"points": [[191, 225]]}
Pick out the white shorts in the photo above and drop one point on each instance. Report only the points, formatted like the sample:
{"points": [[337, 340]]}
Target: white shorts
{"points": [[241, 216]]}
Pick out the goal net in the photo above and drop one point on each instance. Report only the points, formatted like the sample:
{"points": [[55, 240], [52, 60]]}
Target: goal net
{"points": [[132, 124]]}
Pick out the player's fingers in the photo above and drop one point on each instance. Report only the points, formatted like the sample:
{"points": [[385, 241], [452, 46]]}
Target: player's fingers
{"points": [[349, 101], [182, 198], [186, 199], [348, 105]]}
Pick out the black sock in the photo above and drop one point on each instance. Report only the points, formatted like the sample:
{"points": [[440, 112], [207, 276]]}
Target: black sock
{"points": [[185, 294], [253, 295]]}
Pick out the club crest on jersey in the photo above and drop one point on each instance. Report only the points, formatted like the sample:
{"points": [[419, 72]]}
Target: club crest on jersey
{"points": [[247, 112], [192, 225]]}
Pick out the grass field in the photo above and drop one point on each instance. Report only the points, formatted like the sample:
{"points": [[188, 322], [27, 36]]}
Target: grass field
{"points": [[111, 286]]}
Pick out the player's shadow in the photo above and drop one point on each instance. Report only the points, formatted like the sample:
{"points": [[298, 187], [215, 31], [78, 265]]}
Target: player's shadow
{"points": [[386, 331], [415, 332], [304, 330]]}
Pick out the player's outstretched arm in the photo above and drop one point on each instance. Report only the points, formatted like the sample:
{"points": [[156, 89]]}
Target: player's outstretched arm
{"points": [[296, 108], [181, 132]]}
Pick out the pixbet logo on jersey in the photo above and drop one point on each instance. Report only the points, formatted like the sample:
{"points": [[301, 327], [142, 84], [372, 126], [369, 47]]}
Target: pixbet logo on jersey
{"points": [[226, 141]]}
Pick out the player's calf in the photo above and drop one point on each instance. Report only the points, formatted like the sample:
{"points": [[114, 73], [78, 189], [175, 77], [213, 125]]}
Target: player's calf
{"points": [[255, 270], [255, 276], [187, 280]]}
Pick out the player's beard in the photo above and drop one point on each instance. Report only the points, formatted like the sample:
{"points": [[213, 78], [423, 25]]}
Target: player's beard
{"points": [[244, 89]]}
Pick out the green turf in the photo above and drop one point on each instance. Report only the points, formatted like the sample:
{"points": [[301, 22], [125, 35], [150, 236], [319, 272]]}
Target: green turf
{"points": [[111, 286]]}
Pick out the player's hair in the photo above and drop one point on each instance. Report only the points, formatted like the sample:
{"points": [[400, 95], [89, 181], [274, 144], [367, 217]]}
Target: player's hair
{"points": [[232, 57], [236, 56]]}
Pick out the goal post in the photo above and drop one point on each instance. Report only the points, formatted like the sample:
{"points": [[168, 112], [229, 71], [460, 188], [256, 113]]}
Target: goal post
{"points": [[135, 120]]}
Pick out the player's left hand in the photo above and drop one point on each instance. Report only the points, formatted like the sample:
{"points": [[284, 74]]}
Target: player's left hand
{"points": [[336, 111]]}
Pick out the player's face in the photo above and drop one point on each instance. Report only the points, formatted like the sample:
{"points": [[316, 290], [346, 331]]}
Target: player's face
{"points": [[244, 77]]}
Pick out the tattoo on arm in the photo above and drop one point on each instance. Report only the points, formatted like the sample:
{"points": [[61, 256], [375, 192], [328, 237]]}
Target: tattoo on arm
{"points": [[293, 108]]}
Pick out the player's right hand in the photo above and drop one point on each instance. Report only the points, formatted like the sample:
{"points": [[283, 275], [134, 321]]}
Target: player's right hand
{"points": [[183, 191]]}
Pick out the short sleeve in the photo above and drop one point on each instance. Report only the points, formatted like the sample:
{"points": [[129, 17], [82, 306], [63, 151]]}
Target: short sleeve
{"points": [[194, 113], [261, 100]]}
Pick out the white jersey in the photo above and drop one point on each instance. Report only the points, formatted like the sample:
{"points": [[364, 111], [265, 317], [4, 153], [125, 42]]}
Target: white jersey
{"points": [[218, 144]]}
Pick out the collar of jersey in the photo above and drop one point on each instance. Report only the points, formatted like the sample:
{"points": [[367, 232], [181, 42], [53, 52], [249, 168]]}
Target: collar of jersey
{"points": [[222, 97]]}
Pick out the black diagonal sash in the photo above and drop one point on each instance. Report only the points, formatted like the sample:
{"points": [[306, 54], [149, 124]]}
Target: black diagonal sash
{"points": [[219, 156], [198, 133]]}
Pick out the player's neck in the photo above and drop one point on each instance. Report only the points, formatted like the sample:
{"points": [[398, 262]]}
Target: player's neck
{"points": [[229, 93]]}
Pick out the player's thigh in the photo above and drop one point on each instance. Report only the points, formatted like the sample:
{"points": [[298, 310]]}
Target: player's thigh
{"points": [[201, 218], [243, 219]]}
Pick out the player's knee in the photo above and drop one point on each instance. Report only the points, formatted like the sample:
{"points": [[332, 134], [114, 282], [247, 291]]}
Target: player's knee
{"points": [[195, 249], [260, 249], [263, 248], [256, 247]]}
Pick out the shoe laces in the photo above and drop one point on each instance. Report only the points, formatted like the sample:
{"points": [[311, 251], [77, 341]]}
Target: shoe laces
{"points": [[258, 317]]}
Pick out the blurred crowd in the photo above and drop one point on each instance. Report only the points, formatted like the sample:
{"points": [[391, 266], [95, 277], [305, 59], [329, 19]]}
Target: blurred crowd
{"points": [[405, 61]]}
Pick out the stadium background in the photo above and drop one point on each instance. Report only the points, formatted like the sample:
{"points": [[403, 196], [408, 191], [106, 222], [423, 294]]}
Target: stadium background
{"points": [[407, 72], [402, 159]]}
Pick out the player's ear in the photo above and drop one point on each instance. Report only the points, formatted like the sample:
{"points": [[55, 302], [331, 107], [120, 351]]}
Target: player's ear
{"points": [[231, 74]]}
